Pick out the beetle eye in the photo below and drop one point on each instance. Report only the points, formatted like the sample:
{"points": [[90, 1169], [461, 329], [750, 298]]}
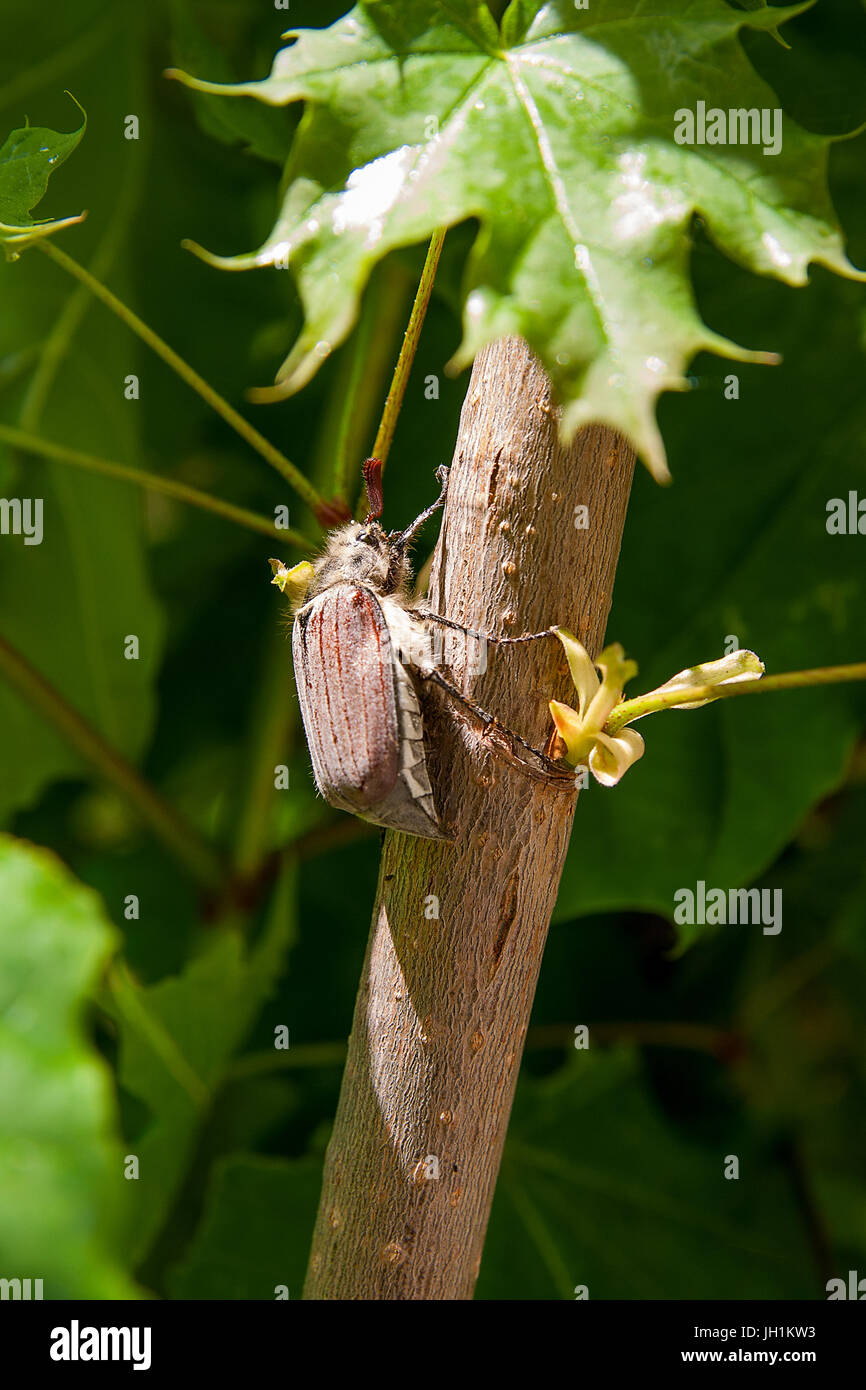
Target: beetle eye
{"points": [[367, 537]]}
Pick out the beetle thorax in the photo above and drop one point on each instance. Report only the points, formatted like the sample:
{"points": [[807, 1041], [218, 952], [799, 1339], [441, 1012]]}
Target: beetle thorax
{"points": [[361, 553]]}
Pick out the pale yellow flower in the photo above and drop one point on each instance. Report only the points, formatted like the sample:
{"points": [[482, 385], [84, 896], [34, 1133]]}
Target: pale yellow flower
{"points": [[595, 735], [607, 756], [293, 582]]}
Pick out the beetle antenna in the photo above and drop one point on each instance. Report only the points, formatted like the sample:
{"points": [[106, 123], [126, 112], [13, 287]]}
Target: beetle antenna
{"points": [[372, 471], [403, 538]]}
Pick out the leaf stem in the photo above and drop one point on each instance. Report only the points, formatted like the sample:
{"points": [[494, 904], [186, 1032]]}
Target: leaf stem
{"points": [[131, 1003], [58, 342], [630, 710], [323, 1054], [268, 743], [334, 834], [182, 841], [248, 432], [254, 521], [400, 379], [725, 1044], [719, 1042]]}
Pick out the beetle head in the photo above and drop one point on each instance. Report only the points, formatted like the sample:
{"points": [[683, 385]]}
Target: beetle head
{"points": [[362, 553]]}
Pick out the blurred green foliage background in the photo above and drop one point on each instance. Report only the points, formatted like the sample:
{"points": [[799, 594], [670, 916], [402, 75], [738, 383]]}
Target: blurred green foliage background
{"points": [[741, 1044]]}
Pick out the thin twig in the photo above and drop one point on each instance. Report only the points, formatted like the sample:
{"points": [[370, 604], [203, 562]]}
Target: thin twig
{"points": [[334, 834], [59, 340], [268, 743], [268, 451], [400, 379], [811, 1214], [693, 1037], [254, 521], [131, 1003], [307, 1055], [630, 710], [182, 841]]}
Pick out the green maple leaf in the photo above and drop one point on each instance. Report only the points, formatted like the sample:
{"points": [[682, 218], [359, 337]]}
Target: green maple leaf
{"points": [[557, 133], [27, 161], [599, 1188]]}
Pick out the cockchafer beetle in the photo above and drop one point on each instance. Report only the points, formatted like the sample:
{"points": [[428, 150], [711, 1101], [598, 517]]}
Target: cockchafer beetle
{"points": [[359, 645]]}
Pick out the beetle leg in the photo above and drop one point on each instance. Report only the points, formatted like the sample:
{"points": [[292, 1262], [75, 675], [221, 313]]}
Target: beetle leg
{"points": [[484, 636], [490, 721]]}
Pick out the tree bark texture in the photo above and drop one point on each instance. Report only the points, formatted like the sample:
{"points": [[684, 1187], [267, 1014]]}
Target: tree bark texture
{"points": [[459, 927]]}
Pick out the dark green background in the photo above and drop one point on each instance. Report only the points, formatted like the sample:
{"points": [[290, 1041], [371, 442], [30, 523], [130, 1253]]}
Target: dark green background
{"points": [[613, 1174]]}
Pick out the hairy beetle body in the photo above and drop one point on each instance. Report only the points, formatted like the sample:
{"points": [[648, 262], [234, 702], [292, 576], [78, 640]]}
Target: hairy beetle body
{"points": [[355, 643], [357, 646], [360, 708]]}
